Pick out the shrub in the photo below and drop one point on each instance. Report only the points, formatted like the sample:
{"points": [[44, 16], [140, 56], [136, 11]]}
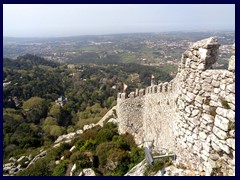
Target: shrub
{"points": [[66, 154], [57, 152], [232, 125], [79, 144], [89, 134], [121, 159], [157, 166], [42, 167], [137, 155], [107, 119], [150, 170], [84, 162], [87, 121], [130, 140], [216, 172], [104, 135], [76, 156], [121, 142], [60, 169], [102, 151], [115, 113], [89, 145], [225, 104], [111, 126]]}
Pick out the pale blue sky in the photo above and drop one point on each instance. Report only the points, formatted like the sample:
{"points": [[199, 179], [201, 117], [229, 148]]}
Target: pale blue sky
{"points": [[50, 20]]}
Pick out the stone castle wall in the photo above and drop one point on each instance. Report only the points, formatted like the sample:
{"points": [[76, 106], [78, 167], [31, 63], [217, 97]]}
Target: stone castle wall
{"points": [[192, 115]]}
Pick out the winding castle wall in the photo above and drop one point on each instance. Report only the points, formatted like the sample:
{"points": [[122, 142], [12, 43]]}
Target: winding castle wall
{"points": [[192, 115]]}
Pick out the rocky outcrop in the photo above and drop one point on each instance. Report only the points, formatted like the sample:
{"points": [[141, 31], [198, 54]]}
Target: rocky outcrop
{"points": [[138, 170], [193, 115], [66, 138], [172, 170], [21, 163], [107, 116], [88, 172], [16, 165]]}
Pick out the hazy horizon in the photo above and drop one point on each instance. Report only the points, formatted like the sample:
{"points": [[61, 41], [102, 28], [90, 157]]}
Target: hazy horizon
{"points": [[51, 20]]}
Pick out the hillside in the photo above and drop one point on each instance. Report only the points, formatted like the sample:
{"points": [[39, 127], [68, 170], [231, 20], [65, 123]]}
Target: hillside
{"points": [[27, 62], [32, 119]]}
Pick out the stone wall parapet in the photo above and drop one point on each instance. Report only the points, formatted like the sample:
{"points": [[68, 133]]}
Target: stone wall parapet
{"points": [[160, 88], [193, 115]]}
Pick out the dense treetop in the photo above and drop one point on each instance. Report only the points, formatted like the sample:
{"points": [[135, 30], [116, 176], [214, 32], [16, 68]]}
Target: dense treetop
{"points": [[32, 119]]}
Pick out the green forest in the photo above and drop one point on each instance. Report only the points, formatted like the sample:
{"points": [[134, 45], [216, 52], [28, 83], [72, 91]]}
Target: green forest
{"points": [[33, 120]]}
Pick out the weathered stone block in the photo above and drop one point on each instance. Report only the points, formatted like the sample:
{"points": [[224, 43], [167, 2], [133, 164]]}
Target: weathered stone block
{"points": [[215, 83], [231, 115], [208, 80], [204, 157], [231, 143], [214, 156], [214, 97], [221, 122], [209, 118], [203, 125], [223, 87], [141, 92], [214, 103], [159, 88], [202, 135], [190, 139], [147, 90], [209, 128], [203, 53], [196, 149], [216, 90], [215, 147], [232, 133], [123, 95], [231, 88], [188, 132], [206, 147], [195, 136], [191, 95], [219, 133], [198, 105], [189, 109], [222, 112], [199, 99], [165, 87], [224, 147], [188, 63], [231, 98], [155, 89], [196, 122], [119, 95], [131, 95], [207, 87], [232, 106], [137, 92], [231, 64], [205, 152], [201, 67]]}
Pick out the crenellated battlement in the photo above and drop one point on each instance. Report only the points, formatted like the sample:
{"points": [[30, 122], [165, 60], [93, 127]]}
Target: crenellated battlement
{"points": [[160, 88], [192, 115]]}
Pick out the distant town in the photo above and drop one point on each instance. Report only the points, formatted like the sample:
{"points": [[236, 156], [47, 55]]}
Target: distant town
{"points": [[152, 49]]}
